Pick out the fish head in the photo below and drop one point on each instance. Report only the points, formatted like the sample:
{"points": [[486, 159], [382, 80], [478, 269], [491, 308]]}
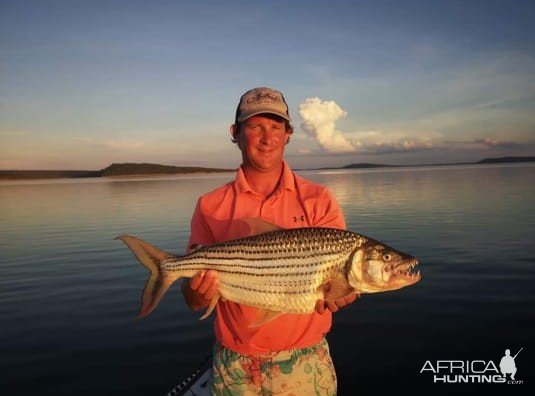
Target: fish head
{"points": [[376, 267]]}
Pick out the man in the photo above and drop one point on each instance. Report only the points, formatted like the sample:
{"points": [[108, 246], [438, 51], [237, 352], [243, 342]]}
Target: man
{"points": [[289, 354], [508, 365]]}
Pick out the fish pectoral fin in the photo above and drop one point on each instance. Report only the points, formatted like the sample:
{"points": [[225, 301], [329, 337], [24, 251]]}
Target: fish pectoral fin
{"points": [[211, 306], [259, 226], [336, 288], [264, 316], [195, 246]]}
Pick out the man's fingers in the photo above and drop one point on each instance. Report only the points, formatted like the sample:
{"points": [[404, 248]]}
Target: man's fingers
{"points": [[212, 290], [204, 281], [346, 300], [332, 306], [196, 280], [207, 281]]}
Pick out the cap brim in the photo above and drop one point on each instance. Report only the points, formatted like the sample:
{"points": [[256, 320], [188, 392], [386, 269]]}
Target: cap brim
{"points": [[244, 117]]}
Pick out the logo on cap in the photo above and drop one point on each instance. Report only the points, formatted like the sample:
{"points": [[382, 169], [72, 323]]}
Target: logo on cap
{"points": [[264, 97]]}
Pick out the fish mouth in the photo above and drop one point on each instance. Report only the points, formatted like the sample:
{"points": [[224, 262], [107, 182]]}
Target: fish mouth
{"points": [[407, 271]]}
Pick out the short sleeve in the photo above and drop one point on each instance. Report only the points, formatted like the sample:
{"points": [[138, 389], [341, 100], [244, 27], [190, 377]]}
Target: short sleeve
{"points": [[329, 213], [200, 231]]}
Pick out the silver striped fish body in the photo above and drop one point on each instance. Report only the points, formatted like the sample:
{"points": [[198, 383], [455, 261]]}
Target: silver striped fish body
{"points": [[280, 270]]}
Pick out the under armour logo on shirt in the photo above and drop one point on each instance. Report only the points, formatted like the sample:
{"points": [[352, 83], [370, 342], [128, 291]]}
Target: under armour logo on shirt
{"points": [[300, 218]]}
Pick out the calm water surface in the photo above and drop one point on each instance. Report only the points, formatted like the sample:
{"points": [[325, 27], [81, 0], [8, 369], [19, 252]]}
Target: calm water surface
{"points": [[69, 292]]}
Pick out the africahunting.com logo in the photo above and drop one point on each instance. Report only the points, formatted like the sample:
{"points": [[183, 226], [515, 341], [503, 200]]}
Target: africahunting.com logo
{"points": [[474, 371]]}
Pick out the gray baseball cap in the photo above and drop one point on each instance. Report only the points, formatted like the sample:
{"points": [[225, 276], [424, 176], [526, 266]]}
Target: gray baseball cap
{"points": [[262, 100]]}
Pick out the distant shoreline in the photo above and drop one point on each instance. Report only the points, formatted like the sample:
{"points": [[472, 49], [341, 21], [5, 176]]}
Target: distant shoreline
{"points": [[114, 170], [498, 160], [156, 170], [486, 161]]}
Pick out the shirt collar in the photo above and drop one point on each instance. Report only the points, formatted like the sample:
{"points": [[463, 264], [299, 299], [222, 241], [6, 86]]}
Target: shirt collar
{"points": [[287, 180]]}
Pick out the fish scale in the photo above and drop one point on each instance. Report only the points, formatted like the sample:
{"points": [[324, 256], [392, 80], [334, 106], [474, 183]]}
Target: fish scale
{"points": [[283, 270]]}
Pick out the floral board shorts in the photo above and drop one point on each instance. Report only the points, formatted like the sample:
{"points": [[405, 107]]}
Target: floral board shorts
{"points": [[307, 371]]}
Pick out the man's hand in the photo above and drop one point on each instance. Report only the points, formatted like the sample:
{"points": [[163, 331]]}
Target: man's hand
{"points": [[205, 283], [199, 290], [334, 306]]}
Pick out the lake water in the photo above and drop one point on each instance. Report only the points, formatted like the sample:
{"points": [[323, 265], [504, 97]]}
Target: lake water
{"points": [[69, 292]]}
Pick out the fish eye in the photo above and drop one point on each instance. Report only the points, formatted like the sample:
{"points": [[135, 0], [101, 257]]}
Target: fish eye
{"points": [[387, 257]]}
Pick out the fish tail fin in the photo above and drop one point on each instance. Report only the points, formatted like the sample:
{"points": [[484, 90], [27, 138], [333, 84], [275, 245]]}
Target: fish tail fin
{"points": [[157, 284]]}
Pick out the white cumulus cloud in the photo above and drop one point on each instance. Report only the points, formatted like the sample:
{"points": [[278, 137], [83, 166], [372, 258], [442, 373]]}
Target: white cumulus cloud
{"points": [[319, 121]]}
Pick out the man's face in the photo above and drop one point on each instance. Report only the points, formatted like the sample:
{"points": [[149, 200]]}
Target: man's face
{"points": [[262, 140]]}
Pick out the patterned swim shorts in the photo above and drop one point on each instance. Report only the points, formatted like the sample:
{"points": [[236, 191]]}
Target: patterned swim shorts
{"points": [[307, 371]]}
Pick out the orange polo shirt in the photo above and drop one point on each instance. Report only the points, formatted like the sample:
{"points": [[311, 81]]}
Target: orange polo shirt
{"points": [[297, 202]]}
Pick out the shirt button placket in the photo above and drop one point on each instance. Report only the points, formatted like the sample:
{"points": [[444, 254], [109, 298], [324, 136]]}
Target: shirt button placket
{"points": [[266, 211]]}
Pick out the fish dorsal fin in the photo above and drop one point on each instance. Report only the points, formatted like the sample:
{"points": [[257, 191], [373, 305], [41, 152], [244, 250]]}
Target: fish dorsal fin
{"points": [[336, 288], [259, 226], [264, 316]]}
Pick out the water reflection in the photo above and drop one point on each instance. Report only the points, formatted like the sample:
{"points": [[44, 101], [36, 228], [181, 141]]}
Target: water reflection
{"points": [[68, 289]]}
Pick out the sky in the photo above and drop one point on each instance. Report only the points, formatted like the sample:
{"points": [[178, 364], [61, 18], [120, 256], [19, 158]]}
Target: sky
{"points": [[84, 84]]}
